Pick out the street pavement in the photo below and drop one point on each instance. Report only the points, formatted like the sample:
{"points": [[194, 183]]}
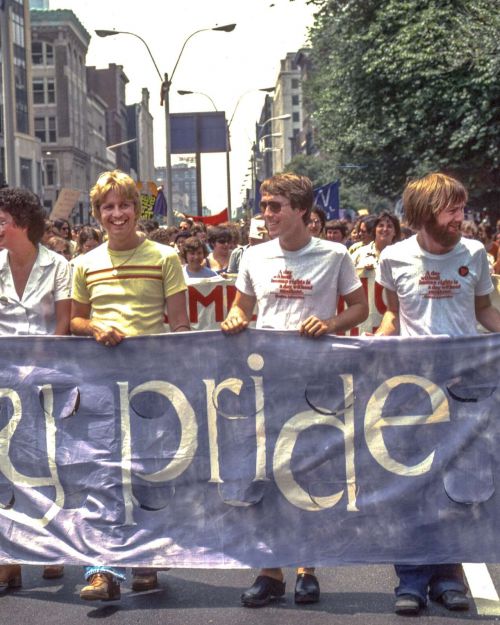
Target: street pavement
{"points": [[355, 595]]}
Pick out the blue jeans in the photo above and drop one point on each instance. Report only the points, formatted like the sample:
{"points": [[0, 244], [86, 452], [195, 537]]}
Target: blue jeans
{"points": [[415, 579], [118, 572]]}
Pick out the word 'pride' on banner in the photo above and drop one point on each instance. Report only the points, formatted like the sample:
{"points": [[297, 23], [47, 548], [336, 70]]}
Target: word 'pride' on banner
{"points": [[206, 450]]}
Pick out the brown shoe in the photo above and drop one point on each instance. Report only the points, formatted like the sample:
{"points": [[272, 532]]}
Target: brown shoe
{"points": [[144, 582], [101, 587], [10, 576], [53, 571]]}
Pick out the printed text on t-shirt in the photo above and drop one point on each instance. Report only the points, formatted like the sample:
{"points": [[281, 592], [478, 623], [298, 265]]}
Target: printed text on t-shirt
{"points": [[290, 287], [436, 287]]}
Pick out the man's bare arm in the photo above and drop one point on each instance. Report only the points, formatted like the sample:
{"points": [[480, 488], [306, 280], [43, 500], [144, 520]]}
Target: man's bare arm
{"points": [[390, 321], [82, 325], [63, 312], [240, 314], [487, 315], [355, 313], [178, 318]]}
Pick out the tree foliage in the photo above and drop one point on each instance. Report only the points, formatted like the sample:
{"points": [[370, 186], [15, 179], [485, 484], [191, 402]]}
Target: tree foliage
{"points": [[403, 87]]}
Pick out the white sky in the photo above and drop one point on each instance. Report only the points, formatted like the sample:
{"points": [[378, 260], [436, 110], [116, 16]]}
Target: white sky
{"points": [[222, 65]]}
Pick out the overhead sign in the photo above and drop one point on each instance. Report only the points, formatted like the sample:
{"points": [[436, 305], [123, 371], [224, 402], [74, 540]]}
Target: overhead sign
{"points": [[198, 132]]}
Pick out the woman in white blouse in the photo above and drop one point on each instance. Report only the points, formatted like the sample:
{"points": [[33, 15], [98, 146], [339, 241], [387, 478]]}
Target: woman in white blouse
{"points": [[34, 294]]}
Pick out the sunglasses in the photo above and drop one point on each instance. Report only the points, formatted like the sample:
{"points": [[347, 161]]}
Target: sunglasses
{"points": [[274, 207]]}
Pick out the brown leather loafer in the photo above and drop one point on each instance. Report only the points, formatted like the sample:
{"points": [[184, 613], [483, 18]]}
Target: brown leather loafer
{"points": [[53, 571], [10, 576], [141, 583]]}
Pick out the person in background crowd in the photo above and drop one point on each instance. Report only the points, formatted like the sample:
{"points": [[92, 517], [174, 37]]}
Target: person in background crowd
{"points": [[186, 225], [327, 270], [161, 236], [62, 228], [387, 232], [88, 239], [469, 229], [434, 206], [35, 296], [366, 233], [257, 234], [180, 240], [220, 240], [172, 232], [195, 253], [117, 293], [60, 246], [49, 231], [336, 231], [200, 230], [317, 222], [485, 234], [149, 226], [406, 233]]}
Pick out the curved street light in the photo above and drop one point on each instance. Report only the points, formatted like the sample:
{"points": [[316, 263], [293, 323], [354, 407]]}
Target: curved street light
{"points": [[228, 127], [166, 82]]}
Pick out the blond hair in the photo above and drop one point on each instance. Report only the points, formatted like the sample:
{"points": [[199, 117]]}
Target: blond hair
{"points": [[426, 197], [116, 181]]}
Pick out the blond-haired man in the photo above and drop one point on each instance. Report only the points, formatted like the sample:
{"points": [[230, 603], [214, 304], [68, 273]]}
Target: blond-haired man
{"points": [[121, 289]]}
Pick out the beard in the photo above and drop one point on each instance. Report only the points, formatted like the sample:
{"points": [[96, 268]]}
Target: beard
{"points": [[441, 234]]}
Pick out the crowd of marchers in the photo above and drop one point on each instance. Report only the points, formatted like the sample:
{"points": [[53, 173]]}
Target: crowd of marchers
{"points": [[117, 280]]}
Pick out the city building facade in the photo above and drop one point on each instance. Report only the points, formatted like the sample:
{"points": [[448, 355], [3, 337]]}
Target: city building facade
{"points": [[184, 196], [140, 132], [59, 48], [109, 84], [20, 151]]}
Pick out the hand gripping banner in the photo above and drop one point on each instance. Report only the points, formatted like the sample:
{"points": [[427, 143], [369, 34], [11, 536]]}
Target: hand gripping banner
{"points": [[262, 449]]}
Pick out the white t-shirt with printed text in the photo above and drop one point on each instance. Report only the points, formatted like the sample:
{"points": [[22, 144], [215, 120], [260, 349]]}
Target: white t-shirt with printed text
{"points": [[291, 286], [436, 292]]}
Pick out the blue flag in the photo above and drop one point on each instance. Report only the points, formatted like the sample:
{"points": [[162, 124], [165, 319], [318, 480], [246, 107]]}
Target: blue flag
{"points": [[256, 206], [327, 197], [160, 205]]}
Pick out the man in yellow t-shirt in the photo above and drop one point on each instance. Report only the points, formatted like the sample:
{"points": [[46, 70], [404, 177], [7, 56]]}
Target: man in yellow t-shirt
{"points": [[121, 288]]}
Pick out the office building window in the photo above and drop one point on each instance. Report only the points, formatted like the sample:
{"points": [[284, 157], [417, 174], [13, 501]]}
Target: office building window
{"points": [[38, 92], [44, 91], [51, 92], [42, 53], [295, 83], [296, 117], [295, 100], [26, 175], [45, 129], [50, 173], [36, 53]]}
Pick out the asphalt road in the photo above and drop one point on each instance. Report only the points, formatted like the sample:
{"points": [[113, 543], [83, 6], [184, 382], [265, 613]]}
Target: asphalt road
{"points": [[360, 595]]}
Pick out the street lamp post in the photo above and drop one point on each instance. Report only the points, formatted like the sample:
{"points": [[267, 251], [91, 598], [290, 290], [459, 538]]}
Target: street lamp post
{"points": [[260, 136], [228, 136], [8, 95], [166, 82]]}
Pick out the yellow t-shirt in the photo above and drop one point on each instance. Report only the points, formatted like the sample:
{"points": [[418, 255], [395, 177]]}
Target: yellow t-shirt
{"points": [[128, 289]]}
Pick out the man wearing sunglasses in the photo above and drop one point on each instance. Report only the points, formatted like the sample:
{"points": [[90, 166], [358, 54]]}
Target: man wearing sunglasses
{"points": [[296, 280]]}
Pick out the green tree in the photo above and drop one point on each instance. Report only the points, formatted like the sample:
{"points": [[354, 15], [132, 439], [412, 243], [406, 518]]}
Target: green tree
{"points": [[402, 87]]}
